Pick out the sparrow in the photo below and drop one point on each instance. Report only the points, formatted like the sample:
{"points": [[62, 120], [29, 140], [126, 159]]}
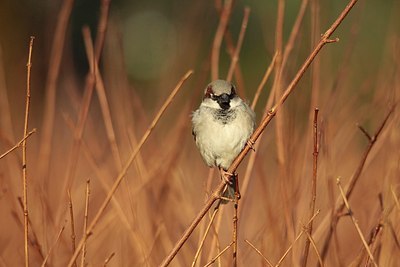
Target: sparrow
{"points": [[221, 126]]}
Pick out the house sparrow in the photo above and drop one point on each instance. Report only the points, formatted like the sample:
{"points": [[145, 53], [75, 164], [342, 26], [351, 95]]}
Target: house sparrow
{"points": [[221, 126]]}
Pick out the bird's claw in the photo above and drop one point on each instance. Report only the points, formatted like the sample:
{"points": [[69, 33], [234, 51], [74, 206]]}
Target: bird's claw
{"points": [[227, 176]]}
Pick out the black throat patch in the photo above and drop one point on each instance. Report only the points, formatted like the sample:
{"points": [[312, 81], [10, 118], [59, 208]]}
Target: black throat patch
{"points": [[224, 116]]}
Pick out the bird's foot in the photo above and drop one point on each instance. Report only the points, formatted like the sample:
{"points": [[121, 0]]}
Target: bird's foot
{"points": [[227, 176]]}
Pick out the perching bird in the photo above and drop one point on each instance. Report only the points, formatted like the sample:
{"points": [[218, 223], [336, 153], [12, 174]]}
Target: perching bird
{"points": [[221, 126]]}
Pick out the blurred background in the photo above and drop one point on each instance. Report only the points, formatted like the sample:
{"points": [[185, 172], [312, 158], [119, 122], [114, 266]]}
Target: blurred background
{"points": [[143, 49]]}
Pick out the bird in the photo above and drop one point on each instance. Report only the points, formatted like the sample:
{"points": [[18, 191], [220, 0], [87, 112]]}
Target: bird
{"points": [[221, 127]]}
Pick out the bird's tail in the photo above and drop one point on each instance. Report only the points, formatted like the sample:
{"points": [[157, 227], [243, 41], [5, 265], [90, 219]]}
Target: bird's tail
{"points": [[230, 190]]}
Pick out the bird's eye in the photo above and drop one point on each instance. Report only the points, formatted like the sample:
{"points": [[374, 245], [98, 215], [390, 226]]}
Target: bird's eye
{"points": [[233, 92]]}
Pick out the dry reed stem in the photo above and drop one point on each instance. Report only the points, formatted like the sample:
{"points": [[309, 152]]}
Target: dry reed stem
{"points": [[56, 53], [295, 240], [263, 81], [238, 47], [377, 230], [135, 237], [342, 193], [278, 93], [259, 253], [108, 259], [93, 56], [252, 159], [309, 237], [128, 164], [266, 120], [209, 180], [332, 219], [315, 71], [35, 240], [52, 247], [102, 178], [291, 245], [241, 90], [214, 196], [294, 33], [280, 119], [196, 256], [101, 28], [18, 144], [71, 215], [396, 200], [394, 235], [313, 186], [24, 159], [215, 245], [219, 255], [235, 222], [78, 129], [85, 221], [106, 112], [5, 111], [224, 18]]}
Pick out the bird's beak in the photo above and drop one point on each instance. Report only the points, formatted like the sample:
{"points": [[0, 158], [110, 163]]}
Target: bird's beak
{"points": [[223, 101]]}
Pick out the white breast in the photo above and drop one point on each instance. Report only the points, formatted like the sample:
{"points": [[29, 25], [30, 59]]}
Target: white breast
{"points": [[219, 143]]}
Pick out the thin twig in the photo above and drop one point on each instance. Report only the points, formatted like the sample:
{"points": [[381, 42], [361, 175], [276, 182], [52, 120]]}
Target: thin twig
{"points": [[34, 241], [342, 193], [252, 159], [72, 161], [202, 231], [376, 232], [264, 123], [219, 254], [24, 161], [92, 79], [235, 222], [52, 247], [225, 14], [372, 141], [396, 200], [332, 219], [127, 165], [56, 53], [134, 239], [313, 186], [295, 240], [294, 33], [108, 259], [71, 214], [309, 237], [235, 57], [230, 47], [279, 129], [101, 28], [85, 221], [316, 68], [215, 244], [214, 196], [18, 144], [259, 253], [100, 89], [263, 81], [278, 92], [205, 235]]}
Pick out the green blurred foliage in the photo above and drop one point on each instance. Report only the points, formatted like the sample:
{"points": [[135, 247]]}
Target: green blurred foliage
{"points": [[160, 37]]}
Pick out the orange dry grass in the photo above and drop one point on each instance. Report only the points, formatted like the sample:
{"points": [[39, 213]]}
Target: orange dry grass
{"points": [[166, 185]]}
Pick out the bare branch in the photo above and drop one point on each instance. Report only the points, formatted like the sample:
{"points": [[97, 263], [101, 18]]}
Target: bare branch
{"points": [[355, 222]]}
